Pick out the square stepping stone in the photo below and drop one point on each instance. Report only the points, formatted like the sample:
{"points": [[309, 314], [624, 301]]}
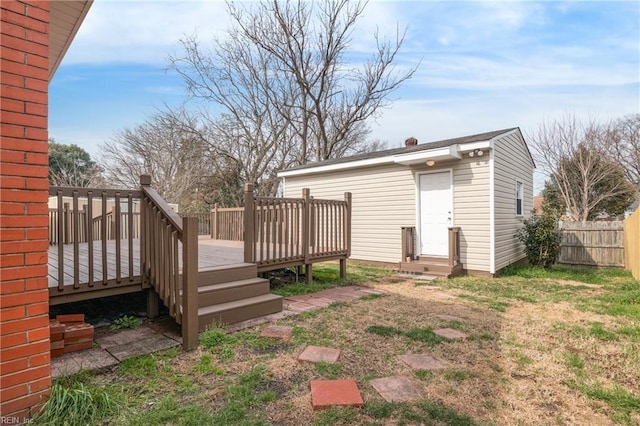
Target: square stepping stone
{"points": [[329, 393], [319, 354], [450, 333], [422, 362], [281, 332], [396, 389]]}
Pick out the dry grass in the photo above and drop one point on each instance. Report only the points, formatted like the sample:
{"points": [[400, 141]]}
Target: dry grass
{"points": [[543, 361]]}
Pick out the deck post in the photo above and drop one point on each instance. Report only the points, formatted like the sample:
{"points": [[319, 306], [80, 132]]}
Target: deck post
{"points": [[249, 231], [214, 222], [306, 232], [145, 182], [153, 306], [190, 283]]}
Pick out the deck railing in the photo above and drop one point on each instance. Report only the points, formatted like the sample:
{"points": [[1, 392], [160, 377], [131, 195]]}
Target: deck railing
{"points": [[167, 239], [68, 224], [409, 240], [284, 232], [227, 223], [408, 243]]}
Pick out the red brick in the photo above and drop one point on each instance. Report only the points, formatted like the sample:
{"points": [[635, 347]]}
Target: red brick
{"points": [[25, 376], [18, 157], [37, 61], [35, 258], [57, 352], [41, 384], [40, 283], [12, 80], [10, 131], [12, 234], [38, 308], [75, 347], [37, 37], [39, 134], [39, 359], [15, 352], [15, 6], [14, 392], [22, 20], [9, 300], [13, 182], [16, 405], [9, 287], [41, 233], [24, 272], [24, 145], [38, 183], [25, 324], [13, 30], [21, 119], [328, 393], [37, 3], [23, 70], [36, 109], [13, 366], [57, 344], [9, 340], [12, 209], [24, 221], [35, 158], [12, 105], [26, 95], [27, 171], [22, 195], [38, 13], [11, 54], [22, 246], [36, 84], [9, 314], [70, 318], [38, 334]]}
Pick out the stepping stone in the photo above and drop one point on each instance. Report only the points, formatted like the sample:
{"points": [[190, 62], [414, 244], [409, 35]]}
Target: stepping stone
{"points": [[281, 332], [89, 360], [450, 333], [131, 343], [328, 393], [319, 354], [396, 389], [450, 317], [444, 296], [422, 362]]}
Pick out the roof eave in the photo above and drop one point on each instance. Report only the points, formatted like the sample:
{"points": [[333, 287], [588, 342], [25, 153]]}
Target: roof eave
{"points": [[68, 26]]}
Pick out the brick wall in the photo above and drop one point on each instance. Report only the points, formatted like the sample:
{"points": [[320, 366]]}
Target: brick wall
{"points": [[25, 373]]}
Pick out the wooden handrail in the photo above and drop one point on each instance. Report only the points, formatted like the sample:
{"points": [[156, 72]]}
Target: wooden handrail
{"points": [[454, 246], [162, 233]]}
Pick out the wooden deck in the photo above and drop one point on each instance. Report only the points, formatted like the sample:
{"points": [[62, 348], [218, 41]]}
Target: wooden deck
{"points": [[211, 254]]}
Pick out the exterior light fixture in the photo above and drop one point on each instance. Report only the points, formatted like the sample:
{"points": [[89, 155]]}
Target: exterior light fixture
{"points": [[430, 163], [476, 153], [479, 153]]}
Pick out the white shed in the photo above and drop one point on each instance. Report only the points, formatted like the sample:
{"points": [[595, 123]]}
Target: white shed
{"points": [[437, 207]]}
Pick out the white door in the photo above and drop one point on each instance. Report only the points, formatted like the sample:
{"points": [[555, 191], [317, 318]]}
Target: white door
{"points": [[435, 213]]}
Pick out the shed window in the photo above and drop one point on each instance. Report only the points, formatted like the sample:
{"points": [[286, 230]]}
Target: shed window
{"points": [[519, 198]]}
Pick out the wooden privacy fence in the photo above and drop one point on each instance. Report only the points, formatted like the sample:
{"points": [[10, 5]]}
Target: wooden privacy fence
{"points": [[284, 232], [227, 223], [592, 243], [632, 244]]}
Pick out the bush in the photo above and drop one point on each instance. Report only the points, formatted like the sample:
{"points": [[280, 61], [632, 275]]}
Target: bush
{"points": [[541, 237]]}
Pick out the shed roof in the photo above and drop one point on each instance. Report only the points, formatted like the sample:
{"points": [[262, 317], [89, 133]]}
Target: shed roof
{"points": [[480, 137]]}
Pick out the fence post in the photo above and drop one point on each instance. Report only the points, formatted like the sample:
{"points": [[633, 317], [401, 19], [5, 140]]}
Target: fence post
{"points": [[249, 232], [346, 232], [189, 283], [214, 222]]}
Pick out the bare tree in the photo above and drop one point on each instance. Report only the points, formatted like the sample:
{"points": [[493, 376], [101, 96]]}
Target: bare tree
{"points": [[178, 161], [285, 88], [574, 156], [624, 146]]}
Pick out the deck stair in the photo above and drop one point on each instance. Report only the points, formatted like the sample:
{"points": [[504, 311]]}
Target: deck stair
{"points": [[232, 293], [430, 265]]}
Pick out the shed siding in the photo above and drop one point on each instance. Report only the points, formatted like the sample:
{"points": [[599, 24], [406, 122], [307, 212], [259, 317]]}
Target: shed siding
{"points": [[511, 163], [384, 200]]}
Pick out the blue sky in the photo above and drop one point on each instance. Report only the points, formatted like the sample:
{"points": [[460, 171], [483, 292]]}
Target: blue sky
{"points": [[484, 65]]}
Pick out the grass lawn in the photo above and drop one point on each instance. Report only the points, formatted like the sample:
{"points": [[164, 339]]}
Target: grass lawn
{"points": [[544, 347]]}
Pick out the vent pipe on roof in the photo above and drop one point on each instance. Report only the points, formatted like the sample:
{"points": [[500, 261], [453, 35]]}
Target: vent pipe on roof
{"points": [[411, 142]]}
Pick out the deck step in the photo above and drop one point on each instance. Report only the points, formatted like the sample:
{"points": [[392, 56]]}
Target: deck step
{"points": [[239, 310], [235, 290], [227, 273], [421, 267]]}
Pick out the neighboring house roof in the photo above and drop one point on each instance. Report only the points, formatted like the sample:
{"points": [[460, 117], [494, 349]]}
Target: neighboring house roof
{"points": [[65, 18], [440, 149]]}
